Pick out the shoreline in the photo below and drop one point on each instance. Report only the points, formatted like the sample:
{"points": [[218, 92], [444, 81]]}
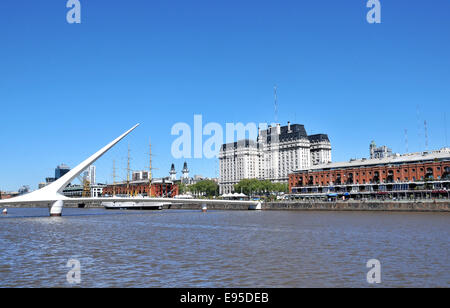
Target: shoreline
{"points": [[361, 206]]}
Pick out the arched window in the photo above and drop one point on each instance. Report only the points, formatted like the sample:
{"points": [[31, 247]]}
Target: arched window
{"points": [[390, 177], [446, 174], [429, 174], [376, 177]]}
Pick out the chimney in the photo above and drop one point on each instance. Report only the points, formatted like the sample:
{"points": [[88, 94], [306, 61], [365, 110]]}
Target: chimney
{"points": [[289, 126], [278, 129]]}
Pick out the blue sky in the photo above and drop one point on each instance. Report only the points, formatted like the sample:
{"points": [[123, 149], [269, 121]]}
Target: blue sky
{"points": [[68, 89]]}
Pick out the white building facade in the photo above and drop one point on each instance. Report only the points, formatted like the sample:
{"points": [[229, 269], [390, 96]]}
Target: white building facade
{"points": [[277, 152]]}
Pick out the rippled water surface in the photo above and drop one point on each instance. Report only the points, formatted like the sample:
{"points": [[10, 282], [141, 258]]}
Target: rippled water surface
{"points": [[176, 248]]}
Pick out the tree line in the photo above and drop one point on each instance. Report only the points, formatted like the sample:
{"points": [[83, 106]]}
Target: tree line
{"points": [[206, 188], [250, 187]]}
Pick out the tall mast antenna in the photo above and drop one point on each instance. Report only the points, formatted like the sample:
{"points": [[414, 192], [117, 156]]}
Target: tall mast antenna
{"points": [[418, 129], [276, 104], [445, 129], [406, 140]]}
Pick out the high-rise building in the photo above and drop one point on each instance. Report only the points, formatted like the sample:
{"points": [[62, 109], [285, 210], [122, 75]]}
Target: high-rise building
{"points": [[379, 152], [320, 149], [49, 180], [61, 170], [277, 152], [24, 190], [91, 176]]}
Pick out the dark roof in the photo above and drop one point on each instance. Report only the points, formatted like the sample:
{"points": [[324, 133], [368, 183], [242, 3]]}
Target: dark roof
{"points": [[297, 132], [185, 167], [246, 142], [319, 138]]}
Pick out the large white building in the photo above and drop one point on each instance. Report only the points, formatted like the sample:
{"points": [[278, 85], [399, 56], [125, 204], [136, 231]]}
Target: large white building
{"points": [[278, 151]]}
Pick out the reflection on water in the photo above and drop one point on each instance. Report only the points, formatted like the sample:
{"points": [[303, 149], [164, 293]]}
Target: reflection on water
{"points": [[223, 248]]}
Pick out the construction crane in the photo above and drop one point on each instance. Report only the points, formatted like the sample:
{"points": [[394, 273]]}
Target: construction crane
{"points": [[86, 188]]}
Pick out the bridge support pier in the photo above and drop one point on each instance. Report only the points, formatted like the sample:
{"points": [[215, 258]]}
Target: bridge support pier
{"points": [[56, 208]]}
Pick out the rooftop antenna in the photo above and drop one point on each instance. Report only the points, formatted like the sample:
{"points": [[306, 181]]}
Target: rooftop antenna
{"points": [[276, 104], [418, 127], [426, 135], [406, 140], [445, 129]]}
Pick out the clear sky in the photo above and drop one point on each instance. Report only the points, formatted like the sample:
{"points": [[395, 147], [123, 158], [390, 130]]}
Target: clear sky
{"points": [[68, 89]]}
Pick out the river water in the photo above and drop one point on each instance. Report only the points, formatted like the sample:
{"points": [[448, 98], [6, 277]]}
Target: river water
{"points": [[181, 248]]}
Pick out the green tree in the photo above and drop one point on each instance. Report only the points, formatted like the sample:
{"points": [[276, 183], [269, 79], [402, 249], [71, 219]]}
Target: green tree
{"points": [[182, 188], [258, 187], [208, 188]]}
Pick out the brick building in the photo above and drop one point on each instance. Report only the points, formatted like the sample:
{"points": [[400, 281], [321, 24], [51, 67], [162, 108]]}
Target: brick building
{"points": [[159, 188], [400, 172], [8, 195]]}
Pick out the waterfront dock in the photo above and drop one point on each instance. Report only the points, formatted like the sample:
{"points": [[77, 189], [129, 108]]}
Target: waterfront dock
{"points": [[374, 205]]}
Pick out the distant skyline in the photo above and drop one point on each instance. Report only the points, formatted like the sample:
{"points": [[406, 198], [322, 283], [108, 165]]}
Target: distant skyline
{"points": [[66, 90]]}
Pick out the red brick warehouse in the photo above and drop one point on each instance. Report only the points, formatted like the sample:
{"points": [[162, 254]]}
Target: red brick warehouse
{"points": [[406, 168], [158, 189]]}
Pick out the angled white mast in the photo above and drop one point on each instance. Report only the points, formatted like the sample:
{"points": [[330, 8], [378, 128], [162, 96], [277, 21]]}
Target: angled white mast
{"points": [[53, 192]]}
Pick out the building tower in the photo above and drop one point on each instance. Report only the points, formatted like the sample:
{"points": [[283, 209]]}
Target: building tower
{"points": [[173, 173], [92, 175], [185, 173], [379, 152], [61, 170], [373, 146]]}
